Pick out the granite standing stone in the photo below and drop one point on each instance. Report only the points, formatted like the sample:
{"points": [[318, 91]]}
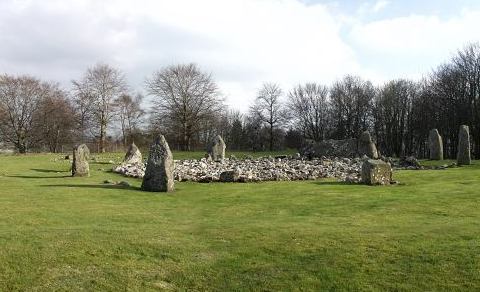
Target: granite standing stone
{"points": [[463, 154], [435, 144], [159, 172], [376, 172], [80, 167], [366, 146], [217, 149], [133, 155]]}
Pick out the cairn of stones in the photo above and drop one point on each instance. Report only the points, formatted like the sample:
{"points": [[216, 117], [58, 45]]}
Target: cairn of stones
{"points": [[463, 153], [366, 146], [435, 144], [376, 172], [133, 155], [80, 166], [160, 165], [217, 149]]}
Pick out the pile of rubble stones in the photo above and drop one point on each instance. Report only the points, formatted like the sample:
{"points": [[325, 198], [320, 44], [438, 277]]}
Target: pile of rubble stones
{"points": [[256, 170], [284, 168]]}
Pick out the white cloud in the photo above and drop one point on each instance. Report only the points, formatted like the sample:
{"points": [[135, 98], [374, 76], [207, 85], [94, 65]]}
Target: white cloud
{"points": [[241, 42], [380, 5], [412, 45]]}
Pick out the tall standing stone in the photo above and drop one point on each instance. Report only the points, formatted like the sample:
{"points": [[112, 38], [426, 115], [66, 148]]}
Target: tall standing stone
{"points": [[435, 144], [159, 172], [80, 166], [217, 149], [133, 155], [463, 154], [366, 146]]}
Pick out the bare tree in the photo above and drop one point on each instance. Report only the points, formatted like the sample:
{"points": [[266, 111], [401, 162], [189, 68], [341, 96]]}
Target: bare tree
{"points": [[393, 116], [54, 119], [130, 114], [309, 110], [269, 109], [351, 104], [19, 100], [185, 98], [101, 86], [83, 109]]}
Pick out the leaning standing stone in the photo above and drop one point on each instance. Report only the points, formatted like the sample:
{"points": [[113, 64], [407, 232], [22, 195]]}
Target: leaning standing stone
{"points": [[376, 172], [133, 155], [80, 167], [463, 154], [435, 145], [217, 149], [366, 146], [159, 173]]}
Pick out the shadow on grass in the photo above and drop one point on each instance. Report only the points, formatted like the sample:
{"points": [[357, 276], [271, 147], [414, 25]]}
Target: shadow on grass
{"points": [[334, 183], [48, 170], [101, 163], [31, 176], [104, 186]]}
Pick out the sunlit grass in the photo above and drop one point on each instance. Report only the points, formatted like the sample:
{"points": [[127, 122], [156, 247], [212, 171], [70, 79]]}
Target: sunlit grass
{"points": [[63, 233]]}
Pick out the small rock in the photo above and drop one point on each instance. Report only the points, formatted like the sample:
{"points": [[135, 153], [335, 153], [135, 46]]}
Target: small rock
{"points": [[124, 183]]}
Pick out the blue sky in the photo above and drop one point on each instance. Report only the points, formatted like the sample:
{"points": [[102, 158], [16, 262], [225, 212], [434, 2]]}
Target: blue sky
{"points": [[243, 43]]}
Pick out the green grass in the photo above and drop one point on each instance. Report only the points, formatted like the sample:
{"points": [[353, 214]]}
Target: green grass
{"points": [[427, 162], [69, 234]]}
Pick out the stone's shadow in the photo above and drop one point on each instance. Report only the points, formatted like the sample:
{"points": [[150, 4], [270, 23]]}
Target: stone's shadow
{"points": [[48, 170], [105, 186], [100, 162], [31, 176], [335, 183]]}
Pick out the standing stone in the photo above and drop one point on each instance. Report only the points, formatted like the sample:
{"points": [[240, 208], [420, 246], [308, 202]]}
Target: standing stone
{"points": [[366, 146], [80, 167], [159, 172], [376, 172], [435, 144], [463, 154], [133, 155], [217, 149]]}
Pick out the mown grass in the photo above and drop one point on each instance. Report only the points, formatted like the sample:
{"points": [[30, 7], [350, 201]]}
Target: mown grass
{"points": [[63, 233]]}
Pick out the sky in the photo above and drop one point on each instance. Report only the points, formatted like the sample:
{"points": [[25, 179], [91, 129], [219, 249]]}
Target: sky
{"points": [[242, 43]]}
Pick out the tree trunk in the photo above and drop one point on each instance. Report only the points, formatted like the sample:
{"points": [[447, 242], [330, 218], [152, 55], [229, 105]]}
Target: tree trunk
{"points": [[21, 146], [186, 140], [271, 137], [103, 134]]}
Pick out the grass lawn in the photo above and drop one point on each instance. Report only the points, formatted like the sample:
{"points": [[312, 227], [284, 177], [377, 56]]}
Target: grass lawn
{"points": [[69, 234]]}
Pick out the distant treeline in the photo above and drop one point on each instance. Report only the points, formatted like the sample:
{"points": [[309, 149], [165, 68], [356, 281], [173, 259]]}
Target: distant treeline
{"points": [[189, 109]]}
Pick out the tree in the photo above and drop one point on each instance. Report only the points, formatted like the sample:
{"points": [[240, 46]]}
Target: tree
{"points": [[467, 65], [54, 119], [130, 114], [83, 106], [19, 100], [236, 134], [393, 116], [308, 105], [100, 86], [351, 104], [185, 100], [269, 109]]}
